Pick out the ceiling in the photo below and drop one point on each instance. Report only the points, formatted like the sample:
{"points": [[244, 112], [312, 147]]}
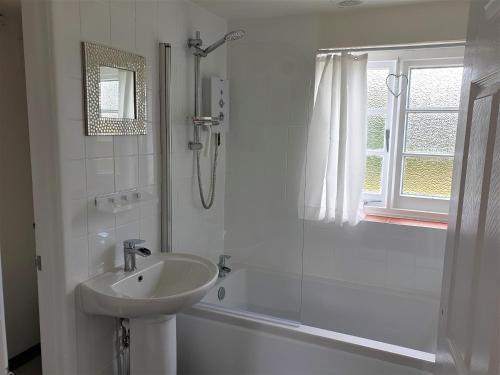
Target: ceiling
{"points": [[237, 9]]}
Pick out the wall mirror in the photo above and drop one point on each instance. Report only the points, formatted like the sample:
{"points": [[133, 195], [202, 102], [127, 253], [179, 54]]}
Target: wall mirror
{"points": [[115, 91]]}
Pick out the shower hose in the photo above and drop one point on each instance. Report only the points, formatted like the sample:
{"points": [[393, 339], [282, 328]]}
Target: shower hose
{"points": [[208, 202]]}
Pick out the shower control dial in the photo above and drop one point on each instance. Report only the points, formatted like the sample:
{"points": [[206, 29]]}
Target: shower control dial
{"points": [[217, 102]]}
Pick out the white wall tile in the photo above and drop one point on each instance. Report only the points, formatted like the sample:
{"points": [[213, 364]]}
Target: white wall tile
{"points": [[70, 100], [146, 29], [76, 261], [401, 269], [125, 145], [100, 176], [167, 20], [122, 24], [427, 279], [150, 232], [150, 208], [147, 170], [78, 256], [126, 172], [73, 179], [66, 26], [78, 217], [181, 136], [182, 83], [183, 165], [109, 369], [99, 146], [148, 142], [319, 257], [102, 251], [84, 340], [128, 216], [98, 220], [73, 146], [186, 22], [95, 19]]}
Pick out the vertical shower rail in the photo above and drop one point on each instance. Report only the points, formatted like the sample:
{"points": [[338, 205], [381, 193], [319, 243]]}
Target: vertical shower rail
{"points": [[166, 148]]}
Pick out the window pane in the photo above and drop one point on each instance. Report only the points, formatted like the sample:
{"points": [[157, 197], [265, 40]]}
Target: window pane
{"points": [[430, 177], [109, 95], [376, 132], [377, 90], [435, 87], [373, 174], [431, 132]]}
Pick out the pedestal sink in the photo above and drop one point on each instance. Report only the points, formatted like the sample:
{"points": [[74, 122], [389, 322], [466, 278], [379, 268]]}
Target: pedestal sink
{"points": [[150, 296]]}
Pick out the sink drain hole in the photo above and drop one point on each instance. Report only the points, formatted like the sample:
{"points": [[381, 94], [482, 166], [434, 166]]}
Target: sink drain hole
{"points": [[140, 278]]}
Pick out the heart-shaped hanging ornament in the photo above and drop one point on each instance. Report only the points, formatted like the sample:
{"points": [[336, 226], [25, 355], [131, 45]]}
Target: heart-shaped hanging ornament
{"points": [[396, 80]]}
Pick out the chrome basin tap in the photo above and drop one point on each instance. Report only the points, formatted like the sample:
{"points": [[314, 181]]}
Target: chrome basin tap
{"points": [[130, 250], [223, 269]]}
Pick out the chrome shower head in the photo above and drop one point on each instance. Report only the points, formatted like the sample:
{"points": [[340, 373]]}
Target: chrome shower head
{"points": [[234, 35], [230, 36]]}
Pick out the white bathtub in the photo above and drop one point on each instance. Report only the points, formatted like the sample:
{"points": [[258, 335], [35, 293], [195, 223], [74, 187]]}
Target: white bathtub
{"points": [[341, 328], [394, 317], [375, 317], [213, 342], [258, 291]]}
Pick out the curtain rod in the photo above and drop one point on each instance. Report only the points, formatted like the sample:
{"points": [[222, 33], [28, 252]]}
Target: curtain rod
{"points": [[390, 47]]}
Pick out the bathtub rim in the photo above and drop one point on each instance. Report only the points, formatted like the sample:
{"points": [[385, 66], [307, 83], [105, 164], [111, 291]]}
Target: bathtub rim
{"points": [[317, 336]]}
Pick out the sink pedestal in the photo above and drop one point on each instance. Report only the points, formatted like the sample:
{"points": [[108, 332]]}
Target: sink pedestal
{"points": [[153, 346], [149, 296]]}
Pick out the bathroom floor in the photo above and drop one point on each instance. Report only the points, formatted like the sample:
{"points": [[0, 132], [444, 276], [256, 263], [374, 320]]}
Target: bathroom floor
{"points": [[33, 367]]}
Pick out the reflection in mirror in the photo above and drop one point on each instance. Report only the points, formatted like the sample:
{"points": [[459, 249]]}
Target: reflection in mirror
{"points": [[117, 93]]}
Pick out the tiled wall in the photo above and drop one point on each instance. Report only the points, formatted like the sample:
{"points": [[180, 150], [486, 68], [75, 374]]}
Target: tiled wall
{"points": [[271, 73], [98, 165], [380, 255]]}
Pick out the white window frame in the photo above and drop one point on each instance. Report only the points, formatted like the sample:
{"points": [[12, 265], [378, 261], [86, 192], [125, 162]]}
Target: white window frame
{"points": [[393, 203], [428, 204], [373, 199]]}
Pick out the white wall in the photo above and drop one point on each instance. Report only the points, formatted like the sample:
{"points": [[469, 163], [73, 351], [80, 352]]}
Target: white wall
{"points": [[16, 202], [268, 127], [86, 166], [418, 23], [271, 73]]}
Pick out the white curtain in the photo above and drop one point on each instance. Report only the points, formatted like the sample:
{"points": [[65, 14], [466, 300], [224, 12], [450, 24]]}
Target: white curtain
{"points": [[336, 145]]}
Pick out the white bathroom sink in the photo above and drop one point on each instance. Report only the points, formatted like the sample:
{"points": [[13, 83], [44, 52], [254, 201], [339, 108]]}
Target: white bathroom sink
{"points": [[163, 284]]}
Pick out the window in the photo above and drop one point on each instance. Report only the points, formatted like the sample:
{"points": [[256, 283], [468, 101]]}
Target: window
{"points": [[379, 120], [109, 94], [411, 137]]}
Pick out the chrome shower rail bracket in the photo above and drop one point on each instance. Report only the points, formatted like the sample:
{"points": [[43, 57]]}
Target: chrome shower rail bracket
{"points": [[195, 146], [206, 121]]}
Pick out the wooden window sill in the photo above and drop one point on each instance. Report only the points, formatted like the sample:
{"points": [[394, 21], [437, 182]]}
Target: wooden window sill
{"points": [[408, 222]]}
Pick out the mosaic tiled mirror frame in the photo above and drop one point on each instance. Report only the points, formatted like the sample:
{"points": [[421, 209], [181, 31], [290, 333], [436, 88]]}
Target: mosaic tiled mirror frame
{"points": [[96, 55]]}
